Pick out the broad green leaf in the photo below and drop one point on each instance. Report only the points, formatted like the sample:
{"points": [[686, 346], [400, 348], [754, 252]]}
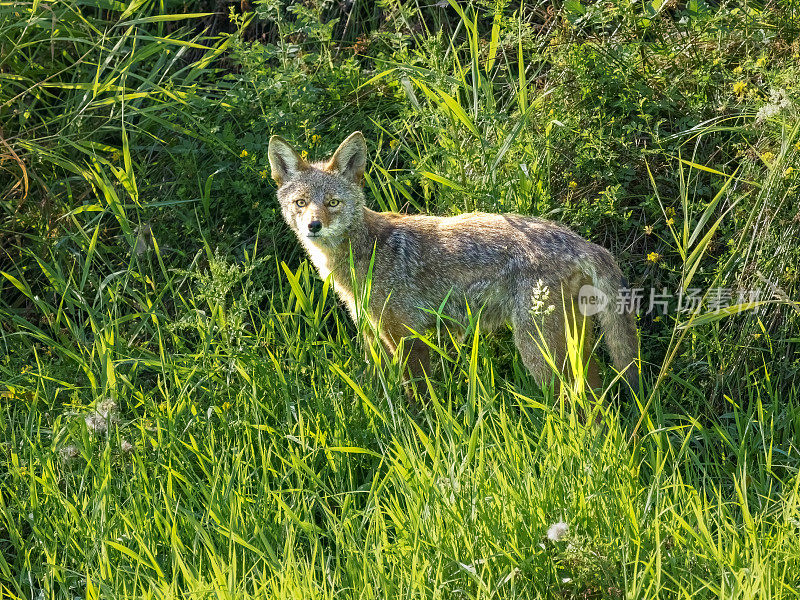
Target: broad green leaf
{"points": [[575, 7]]}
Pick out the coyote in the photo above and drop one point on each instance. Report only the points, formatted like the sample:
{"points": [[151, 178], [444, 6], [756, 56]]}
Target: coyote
{"points": [[498, 263]]}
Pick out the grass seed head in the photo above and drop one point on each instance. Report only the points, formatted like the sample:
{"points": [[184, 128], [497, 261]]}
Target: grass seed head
{"points": [[557, 531], [105, 414], [69, 453]]}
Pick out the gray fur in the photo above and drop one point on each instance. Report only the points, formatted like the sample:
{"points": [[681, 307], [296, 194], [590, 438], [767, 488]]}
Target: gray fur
{"points": [[494, 261]]}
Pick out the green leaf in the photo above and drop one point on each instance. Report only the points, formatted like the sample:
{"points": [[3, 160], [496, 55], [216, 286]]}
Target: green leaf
{"points": [[445, 100], [440, 179], [163, 18], [575, 7], [294, 281], [723, 313], [495, 38]]}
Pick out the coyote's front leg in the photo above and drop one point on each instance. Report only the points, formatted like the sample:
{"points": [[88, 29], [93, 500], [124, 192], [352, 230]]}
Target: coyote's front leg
{"points": [[416, 360]]}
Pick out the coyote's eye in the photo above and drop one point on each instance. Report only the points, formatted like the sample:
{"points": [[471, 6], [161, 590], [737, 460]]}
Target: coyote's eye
{"points": [[300, 203], [333, 202]]}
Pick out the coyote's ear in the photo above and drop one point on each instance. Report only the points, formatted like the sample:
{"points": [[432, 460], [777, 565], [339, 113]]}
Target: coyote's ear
{"points": [[350, 159], [284, 160]]}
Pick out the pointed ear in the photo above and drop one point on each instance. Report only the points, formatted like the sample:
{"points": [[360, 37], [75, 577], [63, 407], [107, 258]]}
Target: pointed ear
{"points": [[350, 159], [284, 160]]}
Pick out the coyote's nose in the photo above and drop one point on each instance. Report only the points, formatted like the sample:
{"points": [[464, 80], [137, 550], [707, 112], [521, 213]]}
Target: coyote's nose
{"points": [[315, 226]]}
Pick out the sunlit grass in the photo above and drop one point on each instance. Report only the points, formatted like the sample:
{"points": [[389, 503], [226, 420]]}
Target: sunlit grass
{"points": [[271, 458], [199, 419]]}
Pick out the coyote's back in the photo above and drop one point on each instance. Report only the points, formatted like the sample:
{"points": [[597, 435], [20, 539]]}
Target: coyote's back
{"points": [[526, 271]]}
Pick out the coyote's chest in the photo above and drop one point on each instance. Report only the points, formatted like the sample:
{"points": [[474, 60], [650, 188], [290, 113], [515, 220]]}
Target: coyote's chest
{"points": [[320, 258]]}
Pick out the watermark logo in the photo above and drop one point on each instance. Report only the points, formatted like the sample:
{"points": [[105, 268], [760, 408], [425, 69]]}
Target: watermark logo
{"points": [[655, 301], [591, 300]]}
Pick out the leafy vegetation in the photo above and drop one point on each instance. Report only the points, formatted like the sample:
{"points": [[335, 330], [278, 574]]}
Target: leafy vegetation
{"points": [[186, 410]]}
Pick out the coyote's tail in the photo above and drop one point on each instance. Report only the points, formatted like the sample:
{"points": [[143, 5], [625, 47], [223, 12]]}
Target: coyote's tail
{"points": [[618, 323]]}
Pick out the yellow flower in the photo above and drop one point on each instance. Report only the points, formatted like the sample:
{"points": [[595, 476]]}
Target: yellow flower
{"points": [[573, 184], [226, 406], [393, 144], [648, 229], [653, 257], [670, 211], [767, 157], [761, 61], [788, 171], [756, 335], [315, 138], [739, 88], [738, 69], [264, 174], [304, 155], [670, 221], [243, 154]]}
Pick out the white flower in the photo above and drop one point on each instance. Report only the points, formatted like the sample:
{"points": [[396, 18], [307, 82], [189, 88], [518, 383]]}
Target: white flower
{"points": [[126, 446], [539, 297], [558, 531], [778, 102], [768, 111]]}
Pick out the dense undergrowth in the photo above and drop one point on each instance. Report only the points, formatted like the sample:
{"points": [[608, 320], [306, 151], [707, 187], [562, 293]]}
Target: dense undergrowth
{"points": [[186, 410]]}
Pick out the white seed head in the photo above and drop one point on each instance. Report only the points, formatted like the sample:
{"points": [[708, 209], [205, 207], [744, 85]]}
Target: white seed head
{"points": [[558, 531], [69, 452], [106, 407], [96, 423], [104, 415]]}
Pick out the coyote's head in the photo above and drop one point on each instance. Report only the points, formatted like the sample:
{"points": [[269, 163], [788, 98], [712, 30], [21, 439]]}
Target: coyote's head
{"points": [[320, 201]]}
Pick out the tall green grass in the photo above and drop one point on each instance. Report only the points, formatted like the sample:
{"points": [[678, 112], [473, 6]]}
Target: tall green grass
{"points": [[272, 461], [183, 415]]}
